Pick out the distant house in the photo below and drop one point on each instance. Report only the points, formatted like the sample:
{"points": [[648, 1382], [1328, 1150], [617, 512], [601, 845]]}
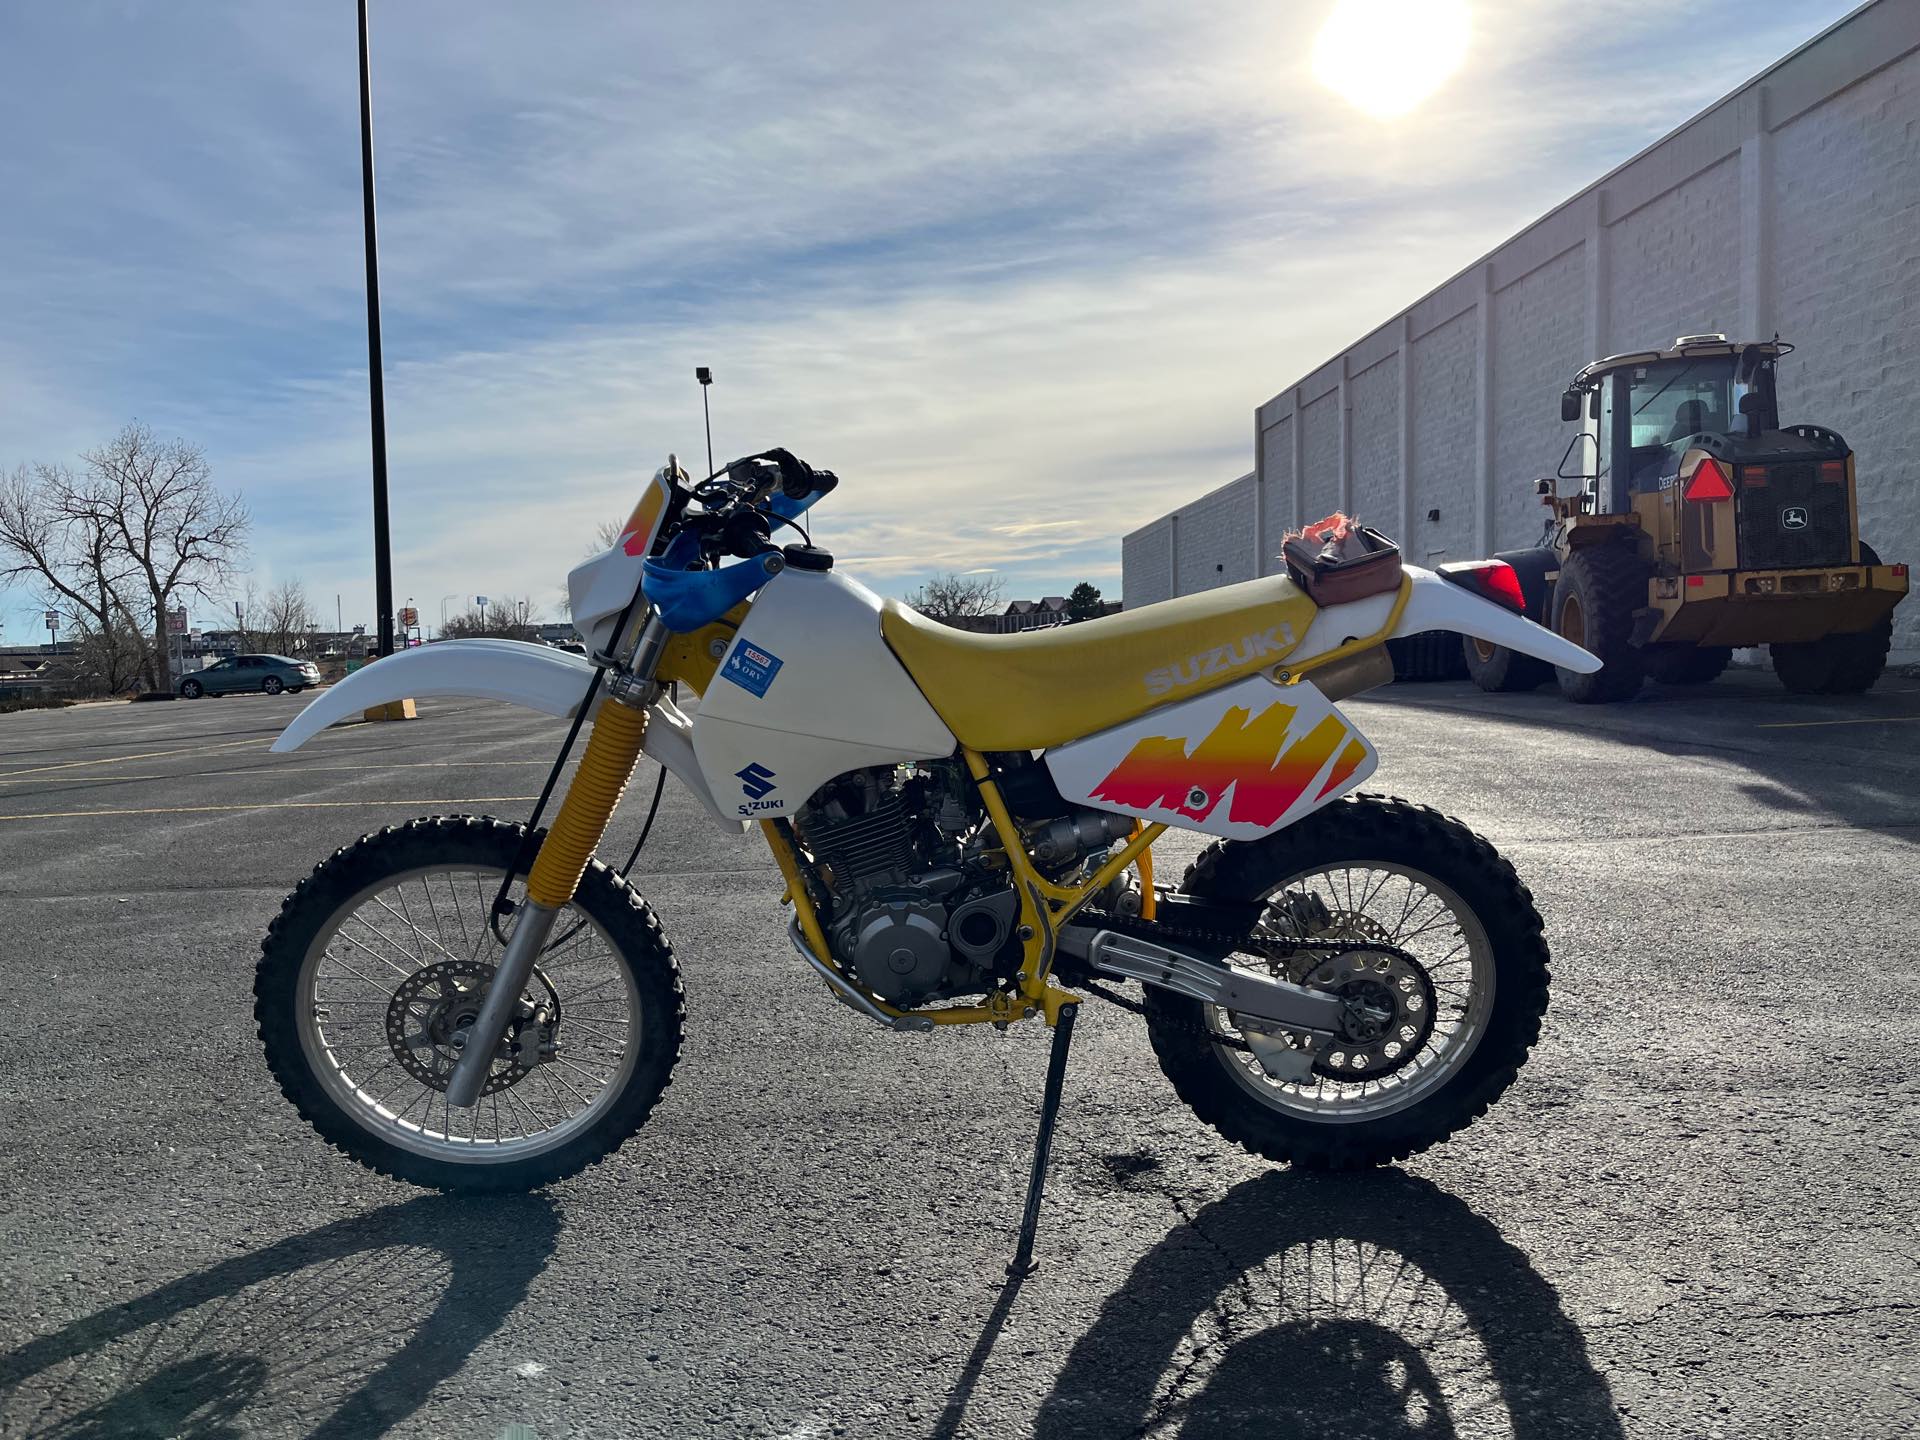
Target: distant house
{"points": [[22, 677]]}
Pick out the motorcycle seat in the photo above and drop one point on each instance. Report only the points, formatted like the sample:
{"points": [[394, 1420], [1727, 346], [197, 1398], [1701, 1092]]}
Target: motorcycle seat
{"points": [[1036, 688]]}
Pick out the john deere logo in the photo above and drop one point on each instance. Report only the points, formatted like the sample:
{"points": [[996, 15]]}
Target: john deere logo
{"points": [[756, 781], [1794, 517]]}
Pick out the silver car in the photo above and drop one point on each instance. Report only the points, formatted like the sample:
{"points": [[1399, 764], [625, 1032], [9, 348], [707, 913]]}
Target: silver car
{"points": [[263, 674]]}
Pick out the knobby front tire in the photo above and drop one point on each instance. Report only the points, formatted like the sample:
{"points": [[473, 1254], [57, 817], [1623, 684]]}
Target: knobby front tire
{"points": [[447, 860], [1225, 1089]]}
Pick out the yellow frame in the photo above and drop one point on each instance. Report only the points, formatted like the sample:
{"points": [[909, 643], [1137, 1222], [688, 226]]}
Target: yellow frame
{"points": [[1044, 906]]}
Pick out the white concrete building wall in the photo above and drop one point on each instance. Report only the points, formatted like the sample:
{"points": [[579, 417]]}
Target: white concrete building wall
{"points": [[1791, 205], [1214, 537]]}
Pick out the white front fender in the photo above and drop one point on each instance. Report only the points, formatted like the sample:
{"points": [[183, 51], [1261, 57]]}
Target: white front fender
{"points": [[535, 676]]}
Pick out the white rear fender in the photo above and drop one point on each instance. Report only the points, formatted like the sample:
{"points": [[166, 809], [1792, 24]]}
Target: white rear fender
{"points": [[534, 676], [1437, 604]]}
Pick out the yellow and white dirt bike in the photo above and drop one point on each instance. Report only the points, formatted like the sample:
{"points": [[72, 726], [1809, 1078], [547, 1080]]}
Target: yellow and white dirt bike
{"points": [[963, 823]]}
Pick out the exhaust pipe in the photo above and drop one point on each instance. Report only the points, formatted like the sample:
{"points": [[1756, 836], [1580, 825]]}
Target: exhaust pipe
{"points": [[1354, 675]]}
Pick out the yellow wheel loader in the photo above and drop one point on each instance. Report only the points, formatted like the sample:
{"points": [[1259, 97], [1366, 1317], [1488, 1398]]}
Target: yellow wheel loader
{"points": [[1701, 524]]}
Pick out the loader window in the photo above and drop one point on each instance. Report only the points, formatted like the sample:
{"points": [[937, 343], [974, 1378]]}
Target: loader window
{"points": [[1672, 399]]}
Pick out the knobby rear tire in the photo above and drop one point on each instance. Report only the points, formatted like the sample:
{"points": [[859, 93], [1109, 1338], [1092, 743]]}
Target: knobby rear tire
{"points": [[1388, 831], [627, 921]]}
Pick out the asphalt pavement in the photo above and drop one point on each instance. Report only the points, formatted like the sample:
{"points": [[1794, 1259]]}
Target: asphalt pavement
{"points": [[1693, 1215]]}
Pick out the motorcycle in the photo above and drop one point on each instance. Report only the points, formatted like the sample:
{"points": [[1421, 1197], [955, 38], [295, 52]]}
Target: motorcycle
{"points": [[963, 823]]}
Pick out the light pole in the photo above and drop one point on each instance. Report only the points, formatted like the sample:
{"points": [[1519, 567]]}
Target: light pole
{"points": [[376, 388]]}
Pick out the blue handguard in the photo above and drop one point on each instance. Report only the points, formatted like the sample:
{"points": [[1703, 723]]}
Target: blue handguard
{"points": [[688, 599]]}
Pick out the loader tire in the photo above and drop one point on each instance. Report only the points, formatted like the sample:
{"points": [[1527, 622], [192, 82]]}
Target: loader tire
{"points": [[1498, 669], [1837, 664], [1687, 664], [1430, 655], [1593, 603]]}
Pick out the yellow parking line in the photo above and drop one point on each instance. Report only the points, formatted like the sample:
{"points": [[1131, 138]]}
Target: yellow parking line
{"points": [[267, 805], [1815, 724], [143, 755]]}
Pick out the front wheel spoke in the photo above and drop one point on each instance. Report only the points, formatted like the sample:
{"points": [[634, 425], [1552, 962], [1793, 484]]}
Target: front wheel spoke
{"points": [[514, 1098], [598, 1079], [419, 951], [380, 985], [613, 1027], [547, 1070], [365, 949]]}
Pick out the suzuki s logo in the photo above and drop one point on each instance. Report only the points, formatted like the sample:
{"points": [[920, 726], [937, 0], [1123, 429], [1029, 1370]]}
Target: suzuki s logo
{"points": [[756, 782], [1794, 517], [1220, 660]]}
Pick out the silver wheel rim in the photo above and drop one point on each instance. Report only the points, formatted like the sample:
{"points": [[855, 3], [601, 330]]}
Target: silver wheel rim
{"points": [[433, 916], [1429, 920]]}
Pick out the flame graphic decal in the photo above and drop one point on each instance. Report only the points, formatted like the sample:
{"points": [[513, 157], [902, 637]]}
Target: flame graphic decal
{"points": [[1244, 752]]}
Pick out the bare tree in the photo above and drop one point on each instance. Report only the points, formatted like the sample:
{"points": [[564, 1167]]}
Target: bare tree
{"points": [[952, 597], [282, 623], [56, 534], [179, 534], [105, 661], [505, 618]]}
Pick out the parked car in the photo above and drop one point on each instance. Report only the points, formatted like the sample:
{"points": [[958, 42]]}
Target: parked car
{"points": [[267, 673]]}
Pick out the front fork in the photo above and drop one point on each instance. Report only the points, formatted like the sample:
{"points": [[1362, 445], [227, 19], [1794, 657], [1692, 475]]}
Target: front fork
{"points": [[613, 750]]}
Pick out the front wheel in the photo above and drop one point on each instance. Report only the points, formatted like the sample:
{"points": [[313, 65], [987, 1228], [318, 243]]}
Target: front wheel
{"points": [[1467, 956], [273, 685], [378, 963], [192, 689]]}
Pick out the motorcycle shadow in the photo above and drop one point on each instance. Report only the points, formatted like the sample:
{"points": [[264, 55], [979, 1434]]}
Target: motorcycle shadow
{"points": [[1303, 1304], [339, 1332]]}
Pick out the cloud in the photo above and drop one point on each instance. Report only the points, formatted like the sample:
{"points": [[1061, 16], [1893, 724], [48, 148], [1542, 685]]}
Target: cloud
{"points": [[1019, 273]]}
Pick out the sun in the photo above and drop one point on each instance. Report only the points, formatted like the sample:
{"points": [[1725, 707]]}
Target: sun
{"points": [[1386, 56]]}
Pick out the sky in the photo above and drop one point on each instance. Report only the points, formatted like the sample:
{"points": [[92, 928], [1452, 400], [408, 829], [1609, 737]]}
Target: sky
{"points": [[1019, 273]]}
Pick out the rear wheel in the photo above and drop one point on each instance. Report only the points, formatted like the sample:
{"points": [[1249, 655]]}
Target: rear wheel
{"points": [[1593, 603], [1380, 869], [1495, 668], [376, 966], [1687, 664], [1837, 664]]}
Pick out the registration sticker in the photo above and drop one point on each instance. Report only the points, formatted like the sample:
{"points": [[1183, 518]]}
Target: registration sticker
{"points": [[751, 668]]}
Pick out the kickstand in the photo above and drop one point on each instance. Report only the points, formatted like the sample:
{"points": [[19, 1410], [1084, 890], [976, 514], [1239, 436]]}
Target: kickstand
{"points": [[1023, 1262]]}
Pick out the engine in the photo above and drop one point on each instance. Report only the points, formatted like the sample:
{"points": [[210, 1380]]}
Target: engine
{"points": [[922, 907]]}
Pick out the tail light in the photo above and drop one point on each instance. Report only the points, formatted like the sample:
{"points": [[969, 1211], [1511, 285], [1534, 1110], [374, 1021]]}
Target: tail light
{"points": [[1709, 483], [1493, 580], [1753, 477], [1833, 472]]}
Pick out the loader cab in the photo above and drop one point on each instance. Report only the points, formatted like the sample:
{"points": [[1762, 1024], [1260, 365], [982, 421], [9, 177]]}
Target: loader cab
{"points": [[1640, 413]]}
